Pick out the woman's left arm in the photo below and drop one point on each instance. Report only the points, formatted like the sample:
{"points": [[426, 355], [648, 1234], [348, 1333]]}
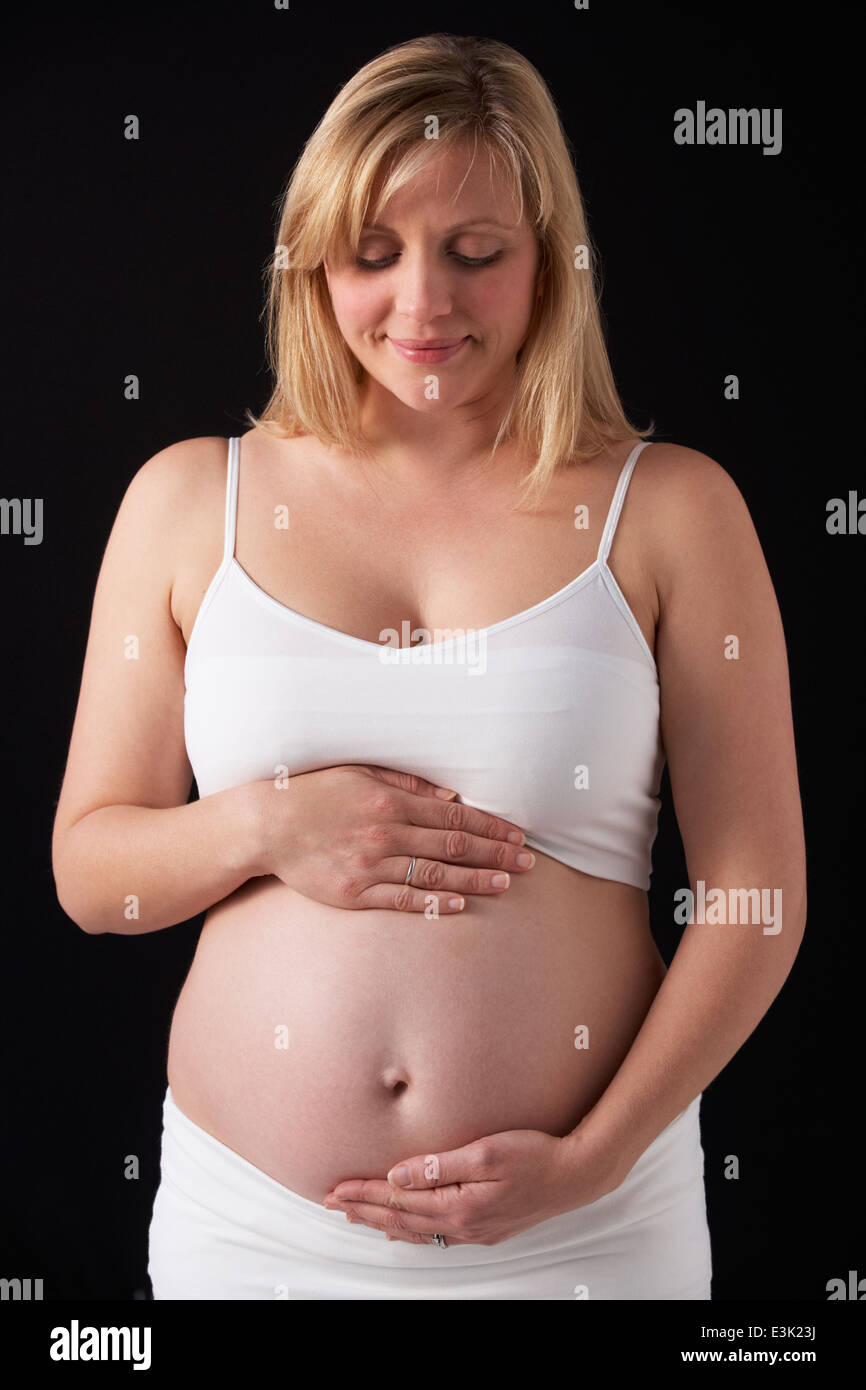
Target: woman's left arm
{"points": [[728, 736]]}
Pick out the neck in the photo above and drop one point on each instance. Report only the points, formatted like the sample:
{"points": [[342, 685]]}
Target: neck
{"points": [[427, 452]]}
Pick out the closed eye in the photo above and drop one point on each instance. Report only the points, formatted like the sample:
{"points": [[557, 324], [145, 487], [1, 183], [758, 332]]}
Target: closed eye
{"points": [[471, 262]]}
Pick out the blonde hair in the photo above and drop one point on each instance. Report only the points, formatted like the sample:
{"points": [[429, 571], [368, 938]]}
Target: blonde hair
{"points": [[565, 407]]}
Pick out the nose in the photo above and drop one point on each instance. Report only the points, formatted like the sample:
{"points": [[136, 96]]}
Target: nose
{"points": [[424, 287]]}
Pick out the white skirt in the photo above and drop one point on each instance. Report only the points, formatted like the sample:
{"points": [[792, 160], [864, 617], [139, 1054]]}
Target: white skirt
{"points": [[223, 1229]]}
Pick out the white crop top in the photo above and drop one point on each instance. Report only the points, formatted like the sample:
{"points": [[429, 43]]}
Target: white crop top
{"points": [[549, 718]]}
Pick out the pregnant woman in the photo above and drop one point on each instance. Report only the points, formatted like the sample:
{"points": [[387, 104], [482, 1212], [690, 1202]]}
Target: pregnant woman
{"points": [[425, 634]]}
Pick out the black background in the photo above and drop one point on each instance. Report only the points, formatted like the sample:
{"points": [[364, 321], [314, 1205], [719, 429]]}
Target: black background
{"points": [[147, 257]]}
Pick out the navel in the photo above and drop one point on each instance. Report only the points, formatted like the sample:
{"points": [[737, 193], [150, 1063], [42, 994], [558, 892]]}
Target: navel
{"points": [[395, 1080]]}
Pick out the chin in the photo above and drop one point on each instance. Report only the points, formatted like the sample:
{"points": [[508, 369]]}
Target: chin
{"points": [[419, 402]]}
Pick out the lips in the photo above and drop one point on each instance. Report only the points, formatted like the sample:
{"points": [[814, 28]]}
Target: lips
{"points": [[427, 351], [427, 344]]}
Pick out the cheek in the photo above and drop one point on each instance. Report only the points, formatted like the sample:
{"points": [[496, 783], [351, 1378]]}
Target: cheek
{"points": [[358, 307], [504, 299]]}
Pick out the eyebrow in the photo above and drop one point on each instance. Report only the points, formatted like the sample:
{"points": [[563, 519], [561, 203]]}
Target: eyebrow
{"points": [[473, 222]]}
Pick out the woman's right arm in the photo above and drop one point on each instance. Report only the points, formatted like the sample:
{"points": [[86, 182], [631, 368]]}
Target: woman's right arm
{"points": [[128, 854]]}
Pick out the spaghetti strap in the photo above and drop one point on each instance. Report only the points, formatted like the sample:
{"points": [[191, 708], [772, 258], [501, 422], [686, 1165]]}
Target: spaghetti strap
{"points": [[231, 499], [617, 501]]}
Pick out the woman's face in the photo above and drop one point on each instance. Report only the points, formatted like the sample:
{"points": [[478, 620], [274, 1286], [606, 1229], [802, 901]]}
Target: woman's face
{"points": [[440, 266]]}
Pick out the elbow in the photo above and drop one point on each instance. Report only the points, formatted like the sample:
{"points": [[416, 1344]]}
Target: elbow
{"points": [[786, 909], [794, 921], [78, 912], [73, 903]]}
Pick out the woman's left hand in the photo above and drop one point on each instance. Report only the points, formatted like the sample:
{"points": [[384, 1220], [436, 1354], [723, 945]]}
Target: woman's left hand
{"points": [[481, 1194]]}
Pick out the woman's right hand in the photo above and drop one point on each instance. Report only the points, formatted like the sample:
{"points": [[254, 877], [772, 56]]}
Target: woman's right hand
{"points": [[345, 835]]}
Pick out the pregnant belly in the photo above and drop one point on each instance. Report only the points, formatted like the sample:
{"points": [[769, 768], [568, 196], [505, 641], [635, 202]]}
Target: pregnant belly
{"points": [[323, 1044]]}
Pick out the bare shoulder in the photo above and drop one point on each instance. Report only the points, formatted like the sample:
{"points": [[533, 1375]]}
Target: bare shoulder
{"points": [[694, 518], [676, 481], [168, 492], [176, 499], [178, 472]]}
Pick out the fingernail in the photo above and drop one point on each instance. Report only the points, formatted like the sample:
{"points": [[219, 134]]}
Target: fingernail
{"points": [[455, 903], [499, 881], [445, 793], [400, 1177], [526, 861], [516, 837]]}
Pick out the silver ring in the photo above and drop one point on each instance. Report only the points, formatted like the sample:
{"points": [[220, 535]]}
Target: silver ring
{"points": [[408, 878], [441, 1242]]}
